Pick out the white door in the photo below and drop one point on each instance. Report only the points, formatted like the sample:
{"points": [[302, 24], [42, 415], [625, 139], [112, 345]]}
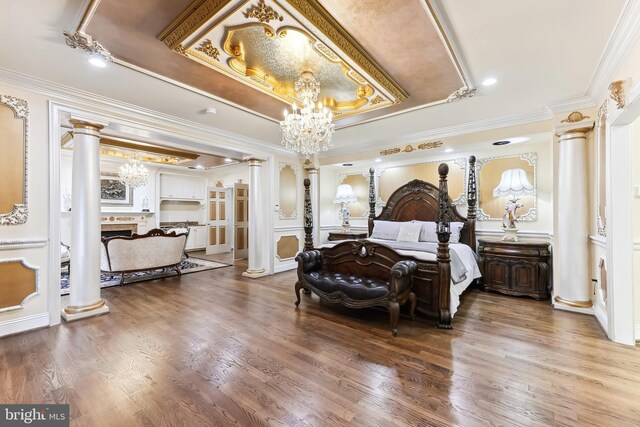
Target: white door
{"points": [[217, 221], [241, 220]]}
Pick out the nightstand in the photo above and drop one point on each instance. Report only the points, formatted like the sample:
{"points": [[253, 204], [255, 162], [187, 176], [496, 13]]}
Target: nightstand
{"points": [[341, 235], [515, 268]]}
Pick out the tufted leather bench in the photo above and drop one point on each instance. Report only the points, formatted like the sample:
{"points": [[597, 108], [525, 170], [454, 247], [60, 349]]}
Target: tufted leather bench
{"points": [[367, 282]]}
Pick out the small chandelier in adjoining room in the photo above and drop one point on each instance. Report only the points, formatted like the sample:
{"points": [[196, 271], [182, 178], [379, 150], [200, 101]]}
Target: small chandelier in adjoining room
{"points": [[134, 173], [309, 129]]}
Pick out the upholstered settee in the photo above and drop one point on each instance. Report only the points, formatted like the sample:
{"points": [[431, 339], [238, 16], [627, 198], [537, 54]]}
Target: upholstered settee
{"points": [[358, 275], [140, 252]]}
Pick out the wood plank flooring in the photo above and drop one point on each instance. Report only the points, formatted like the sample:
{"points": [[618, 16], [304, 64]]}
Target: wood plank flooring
{"points": [[213, 348]]}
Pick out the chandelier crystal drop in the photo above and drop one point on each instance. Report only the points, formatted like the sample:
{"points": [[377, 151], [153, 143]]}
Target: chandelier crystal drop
{"points": [[134, 173], [309, 129]]}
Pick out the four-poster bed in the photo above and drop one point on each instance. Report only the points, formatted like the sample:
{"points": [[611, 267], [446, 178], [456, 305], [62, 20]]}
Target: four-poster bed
{"points": [[437, 295]]}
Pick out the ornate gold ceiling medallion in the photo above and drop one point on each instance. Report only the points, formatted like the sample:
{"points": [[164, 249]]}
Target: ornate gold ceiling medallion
{"points": [[285, 39]]}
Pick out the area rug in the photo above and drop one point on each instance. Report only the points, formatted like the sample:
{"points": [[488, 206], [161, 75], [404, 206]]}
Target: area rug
{"points": [[189, 265]]}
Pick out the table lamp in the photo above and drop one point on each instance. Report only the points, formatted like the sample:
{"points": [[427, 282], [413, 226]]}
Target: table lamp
{"points": [[513, 183], [344, 195]]}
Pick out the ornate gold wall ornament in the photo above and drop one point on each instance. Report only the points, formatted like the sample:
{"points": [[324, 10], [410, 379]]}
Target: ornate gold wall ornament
{"points": [[83, 41], [181, 50], [574, 117], [463, 92], [617, 93], [19, 211], [409, 148], [262, 13], [209, 49], [430, 145]]}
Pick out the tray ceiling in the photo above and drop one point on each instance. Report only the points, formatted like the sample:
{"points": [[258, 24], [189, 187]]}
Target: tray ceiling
{"points": [[372, 58]]}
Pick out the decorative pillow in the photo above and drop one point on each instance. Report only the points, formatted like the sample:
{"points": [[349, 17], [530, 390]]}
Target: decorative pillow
{"points": [[409, 232], [455, 228], [386, 230], [427, 231]]}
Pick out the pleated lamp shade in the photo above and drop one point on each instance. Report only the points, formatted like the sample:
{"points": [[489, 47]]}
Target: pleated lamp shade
{"points": [[345, 194], [513, 182]]}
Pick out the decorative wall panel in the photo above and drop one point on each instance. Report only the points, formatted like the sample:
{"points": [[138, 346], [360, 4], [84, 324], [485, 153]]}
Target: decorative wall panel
{"points": [[14, 136], [288, 191], [601, 170], [489, 172], [18, 283], [360, 184], [287, 247]]}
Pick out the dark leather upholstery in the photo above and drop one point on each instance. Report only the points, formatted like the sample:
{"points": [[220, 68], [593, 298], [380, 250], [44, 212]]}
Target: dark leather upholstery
{"points": [[310, 260], [354, 287]]}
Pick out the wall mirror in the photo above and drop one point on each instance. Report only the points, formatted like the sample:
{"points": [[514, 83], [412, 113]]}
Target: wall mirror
{"points": [[391, 178], [601, 169], [288, 191], [489, 173], [360, 184], [14, 127]]}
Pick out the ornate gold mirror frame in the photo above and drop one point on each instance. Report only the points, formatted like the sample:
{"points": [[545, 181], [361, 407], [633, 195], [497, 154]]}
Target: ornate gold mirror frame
{"points": [[14, 131], [489, 170], [288, 191], [601, 169]]}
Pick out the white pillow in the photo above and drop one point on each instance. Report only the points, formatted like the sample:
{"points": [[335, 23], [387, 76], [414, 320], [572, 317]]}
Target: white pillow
{"points": [[385, 230], [455, 228], [409, 232], [427, 231]]}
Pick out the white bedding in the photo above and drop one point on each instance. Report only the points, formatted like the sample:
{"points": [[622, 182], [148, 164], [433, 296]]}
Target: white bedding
{"points": [[464, 252]]}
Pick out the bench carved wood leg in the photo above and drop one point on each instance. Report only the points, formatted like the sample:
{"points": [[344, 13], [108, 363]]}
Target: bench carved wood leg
{"points": [[394, 313], [177, 269], [122, 278], [413, 300], [298, 287]]}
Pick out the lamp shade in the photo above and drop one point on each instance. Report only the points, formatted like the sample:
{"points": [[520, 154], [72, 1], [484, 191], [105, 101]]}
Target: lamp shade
{"points": [[345, 194], [513, 182]]}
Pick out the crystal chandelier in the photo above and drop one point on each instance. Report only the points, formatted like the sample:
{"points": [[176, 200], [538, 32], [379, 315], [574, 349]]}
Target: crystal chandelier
{"points": [[308, 130], [134, 173]]}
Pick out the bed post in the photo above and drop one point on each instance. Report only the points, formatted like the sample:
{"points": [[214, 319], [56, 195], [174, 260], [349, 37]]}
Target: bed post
{"points": [[444, 261], [308, 217], [472, 200], [372, 199]]}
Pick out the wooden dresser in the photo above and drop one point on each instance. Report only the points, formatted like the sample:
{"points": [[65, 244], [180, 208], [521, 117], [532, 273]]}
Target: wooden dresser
{"points": [[515, 268]]}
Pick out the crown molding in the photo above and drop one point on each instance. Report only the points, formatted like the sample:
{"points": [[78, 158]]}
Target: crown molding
{"points": [[572, 104], [624, 37], [126, 112], [448, 131]]}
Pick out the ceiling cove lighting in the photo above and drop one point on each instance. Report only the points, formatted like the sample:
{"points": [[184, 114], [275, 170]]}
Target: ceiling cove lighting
{"points": [[448, 150], [309, 129], [378, 160], [228, 160], [97, 61], [489, 81]]}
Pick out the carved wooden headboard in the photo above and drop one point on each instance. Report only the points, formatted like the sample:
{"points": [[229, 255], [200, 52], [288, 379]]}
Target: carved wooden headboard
{"points": [[420, 200]]}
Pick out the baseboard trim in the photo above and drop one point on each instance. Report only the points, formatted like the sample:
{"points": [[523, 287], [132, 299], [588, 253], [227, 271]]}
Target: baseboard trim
{"points": [[22, 324], [603, 320], [285, 267]]}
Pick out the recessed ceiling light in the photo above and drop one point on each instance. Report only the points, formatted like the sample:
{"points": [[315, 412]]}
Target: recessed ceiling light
{"points": [[199, 167], [210, 110], [378, 160], [347, 164], [97, 61], [490, 81], [502, 142], [448, 150], [228, 160]]}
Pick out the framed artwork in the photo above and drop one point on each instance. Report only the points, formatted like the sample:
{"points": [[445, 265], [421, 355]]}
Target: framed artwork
{"points": [[114, 192]]}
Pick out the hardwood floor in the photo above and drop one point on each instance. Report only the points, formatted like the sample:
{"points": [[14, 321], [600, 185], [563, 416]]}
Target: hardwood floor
{"points": [[213, 348]]}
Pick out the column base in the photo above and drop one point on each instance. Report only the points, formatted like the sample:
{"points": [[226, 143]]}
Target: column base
{"points": [[71, 313], [254, 274], [583, 307]]}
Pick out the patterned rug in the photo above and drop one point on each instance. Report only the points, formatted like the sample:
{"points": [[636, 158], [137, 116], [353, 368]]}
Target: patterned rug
{"points": [[189, 265]]}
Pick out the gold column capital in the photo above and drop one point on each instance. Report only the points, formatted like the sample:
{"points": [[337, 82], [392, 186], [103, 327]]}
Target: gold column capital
{"points": [[574, 130], [83, 124], [254, 161]]}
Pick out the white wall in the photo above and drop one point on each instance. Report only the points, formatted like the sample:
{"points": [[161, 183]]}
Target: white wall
{"points": [[40, 310]]}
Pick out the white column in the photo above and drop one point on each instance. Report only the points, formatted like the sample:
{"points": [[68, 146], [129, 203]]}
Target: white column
{"points": [[84, 292], [572, 285], [312, 172], [257, 227]]}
